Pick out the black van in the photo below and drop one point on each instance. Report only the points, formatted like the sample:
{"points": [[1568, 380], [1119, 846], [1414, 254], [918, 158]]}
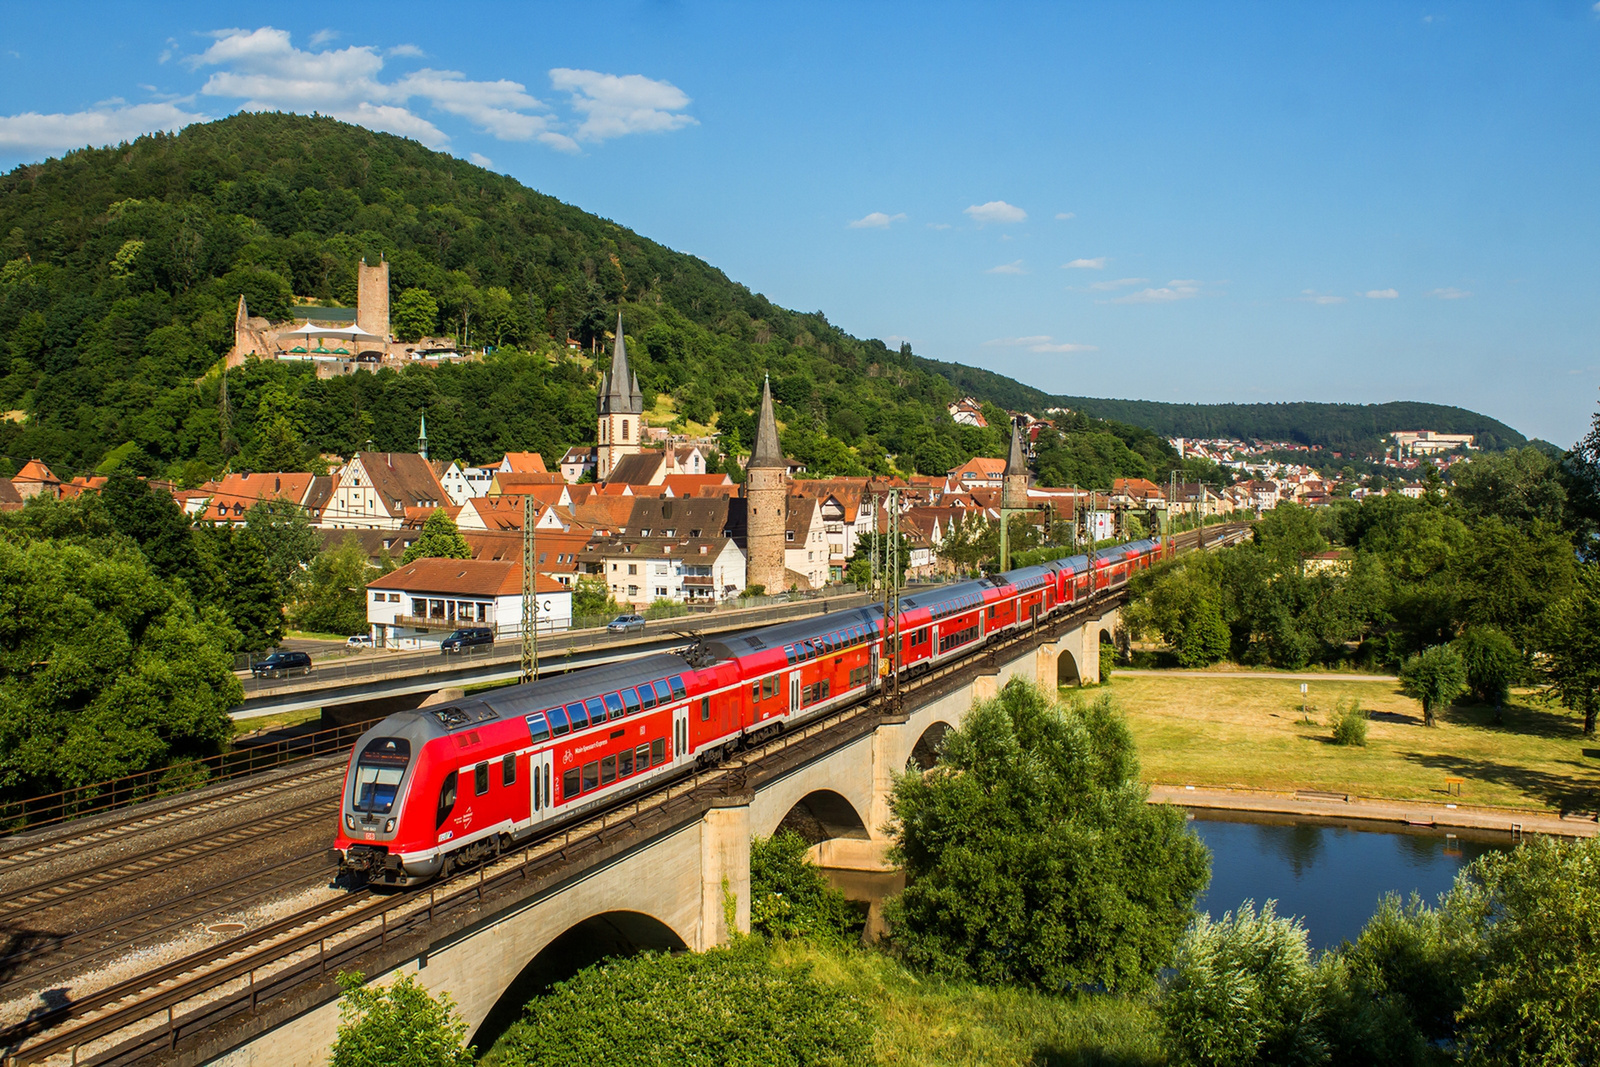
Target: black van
{"points": [[467, 637], [281, 663]]}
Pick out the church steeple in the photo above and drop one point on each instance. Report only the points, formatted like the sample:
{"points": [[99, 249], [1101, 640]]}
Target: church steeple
{"points": [[621, 410], [422, 435], [619, 391], [767, 452]]}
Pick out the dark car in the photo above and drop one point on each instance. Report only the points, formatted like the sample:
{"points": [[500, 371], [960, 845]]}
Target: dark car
{"points": [[623, 624], [282, 663], [466, 637]]}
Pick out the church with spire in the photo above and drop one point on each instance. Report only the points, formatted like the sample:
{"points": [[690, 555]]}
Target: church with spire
{"points": [[621, 411]]}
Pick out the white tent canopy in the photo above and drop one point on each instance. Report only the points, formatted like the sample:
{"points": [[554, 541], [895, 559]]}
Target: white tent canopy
{"points": [[349, 333]]}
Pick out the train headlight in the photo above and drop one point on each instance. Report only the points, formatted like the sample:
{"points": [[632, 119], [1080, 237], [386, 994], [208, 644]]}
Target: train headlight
{"points": [[388, 827], [350, 823]]}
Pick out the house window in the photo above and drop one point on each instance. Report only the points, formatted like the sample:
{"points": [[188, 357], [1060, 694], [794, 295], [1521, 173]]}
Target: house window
{"points": [[377, 598], [661, 590], [633, 590], [788, 535], [633, 568]]}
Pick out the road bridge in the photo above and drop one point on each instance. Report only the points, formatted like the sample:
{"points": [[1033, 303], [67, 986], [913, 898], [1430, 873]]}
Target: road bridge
{"points": [[670, 872]]}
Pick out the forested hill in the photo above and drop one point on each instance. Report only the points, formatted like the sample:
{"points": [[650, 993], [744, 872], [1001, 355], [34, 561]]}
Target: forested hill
{"points": [[121, 268]]}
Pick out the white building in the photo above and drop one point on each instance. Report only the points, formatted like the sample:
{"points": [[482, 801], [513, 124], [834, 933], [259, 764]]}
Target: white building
{"points": [[423, 602], [694, 571]]}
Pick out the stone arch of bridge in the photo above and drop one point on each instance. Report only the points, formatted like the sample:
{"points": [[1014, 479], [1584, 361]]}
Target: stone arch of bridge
{"points": [[822, 815], [1067, 672], [598, 937], [925, 753]]}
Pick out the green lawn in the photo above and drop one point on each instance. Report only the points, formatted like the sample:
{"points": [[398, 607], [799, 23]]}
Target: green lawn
{"points": [[273, 722], [1248, 733]]}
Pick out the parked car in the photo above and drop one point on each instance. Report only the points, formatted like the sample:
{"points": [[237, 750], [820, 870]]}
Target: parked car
{"points": [[624, 624], [280, 664], [359, 641], [467, 637]]}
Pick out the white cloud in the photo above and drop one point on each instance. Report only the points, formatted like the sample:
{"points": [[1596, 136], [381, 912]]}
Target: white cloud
{"points": [[1119, 283], [1098, 263], [1063, 216], [613, 105], [499, 108], [997, 211], [480, 159], [1014, 267], [1039, 343], [877, 220], [1382, 294], [1181, 289], [322, 37], [1450, 292], [59, 132], [406, 51], [1311, 296]]}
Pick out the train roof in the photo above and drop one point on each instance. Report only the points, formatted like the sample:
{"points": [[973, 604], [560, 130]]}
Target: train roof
{"points": [[788, 633], [518, 700]]}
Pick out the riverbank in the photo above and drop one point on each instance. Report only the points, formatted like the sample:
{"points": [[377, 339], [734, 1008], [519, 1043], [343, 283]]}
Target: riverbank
{"points": [[1446, 816]]}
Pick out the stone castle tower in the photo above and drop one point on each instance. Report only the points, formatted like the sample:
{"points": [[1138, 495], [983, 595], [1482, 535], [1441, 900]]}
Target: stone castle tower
{"points": [[1014, 481], [621, 411], [372, 298], [766, 489]]}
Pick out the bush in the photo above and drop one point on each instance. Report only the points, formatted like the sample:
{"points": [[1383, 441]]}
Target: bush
{"points": [[1349, 722], [382, 1026], [726, 1006], [1436, 677], [1108, 660], [1244, 993], [1032, 857], [789, 896]]}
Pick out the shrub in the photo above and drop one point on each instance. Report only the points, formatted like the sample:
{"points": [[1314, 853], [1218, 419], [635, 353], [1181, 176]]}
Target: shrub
{"points": [[1349, 722], [380, 1026], [1436, 677], [1493, 663], [789, 896], [1243, 993]]}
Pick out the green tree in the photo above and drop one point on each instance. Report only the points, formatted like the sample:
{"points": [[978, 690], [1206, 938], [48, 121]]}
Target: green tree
{"points": [[1519, 486], [1032, 857], [1493, 663], [1436, 677], [440, 539], [1244, 993], [590, 598], [1572, 664], [333, 593], [395, 1025], [285, 535], [415, 314], [789, 896], [1182, 604], [733, 1005]]}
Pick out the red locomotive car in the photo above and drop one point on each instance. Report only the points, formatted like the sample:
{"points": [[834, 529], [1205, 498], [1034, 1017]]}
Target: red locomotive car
{"points": [[437, 788]]}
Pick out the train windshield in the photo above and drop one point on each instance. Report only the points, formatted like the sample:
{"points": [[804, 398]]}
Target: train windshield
{"points": [[379, 769]]}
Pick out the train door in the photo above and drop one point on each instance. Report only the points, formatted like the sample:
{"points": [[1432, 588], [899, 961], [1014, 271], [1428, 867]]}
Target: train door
{"points": [[794, 692], [680, 733], [877, 665], [540, 769]]}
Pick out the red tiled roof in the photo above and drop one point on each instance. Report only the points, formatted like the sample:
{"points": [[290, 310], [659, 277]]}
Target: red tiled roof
{"points": [[468, 577]]}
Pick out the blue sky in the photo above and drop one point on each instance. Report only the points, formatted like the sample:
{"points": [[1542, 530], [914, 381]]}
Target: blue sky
{"points": [[1176, 202]]}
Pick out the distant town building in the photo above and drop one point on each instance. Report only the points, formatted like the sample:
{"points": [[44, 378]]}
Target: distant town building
{"points": [[1428, 443], [423, 602]]}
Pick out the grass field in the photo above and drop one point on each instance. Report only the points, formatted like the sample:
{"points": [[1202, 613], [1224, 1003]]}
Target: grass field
{"points": [[1248, 733]]}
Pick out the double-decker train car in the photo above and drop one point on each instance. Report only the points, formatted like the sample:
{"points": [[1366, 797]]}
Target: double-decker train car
{"points": [[434, 788]]}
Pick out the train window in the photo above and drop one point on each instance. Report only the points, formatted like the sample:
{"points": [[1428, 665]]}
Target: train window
{"points": [[625, 763], [769, 687], [379, 769], [569, 783], [591, 775], [535, 787], [614, 705], [508, 769], [663, 693], [547, 774], [480, 779], [597, 711], [789, 654], [447, 800], [608, 770], [658, 751], [647, 697], [705, 708], [678, 691], [755, 692], [538, 728], [579, 717], [641, 756], [630, 701], [558, 721]]}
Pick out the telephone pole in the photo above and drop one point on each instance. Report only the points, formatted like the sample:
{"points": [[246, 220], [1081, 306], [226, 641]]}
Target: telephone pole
{"points": [[530, 592]]}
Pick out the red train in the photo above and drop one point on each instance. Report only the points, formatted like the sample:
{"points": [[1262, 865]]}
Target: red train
{"points": [[436, 788]]}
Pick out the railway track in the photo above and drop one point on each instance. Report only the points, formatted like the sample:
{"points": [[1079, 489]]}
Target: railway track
{"points": [[128, 1021]]}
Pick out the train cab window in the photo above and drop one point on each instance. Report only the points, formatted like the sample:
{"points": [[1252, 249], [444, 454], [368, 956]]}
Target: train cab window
{"points": [[658, 751], [569, 783], [678, 691], [558, 721], [608, 770], [705, 708], [597, 710], [579, 717], [480, 779], [624, 763], [614, 705], [447, 800], [663, 693], [591, 775], [647, 697], [641, 756], [508, 769], [379, 769], [538, 727], [630, 701]]}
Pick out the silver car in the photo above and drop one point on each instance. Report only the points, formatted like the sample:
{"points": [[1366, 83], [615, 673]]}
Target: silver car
{"points": [[624, 624]]}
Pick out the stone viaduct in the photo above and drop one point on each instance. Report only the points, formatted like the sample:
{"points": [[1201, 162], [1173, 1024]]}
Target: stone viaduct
{"points": [[677, 888]]}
